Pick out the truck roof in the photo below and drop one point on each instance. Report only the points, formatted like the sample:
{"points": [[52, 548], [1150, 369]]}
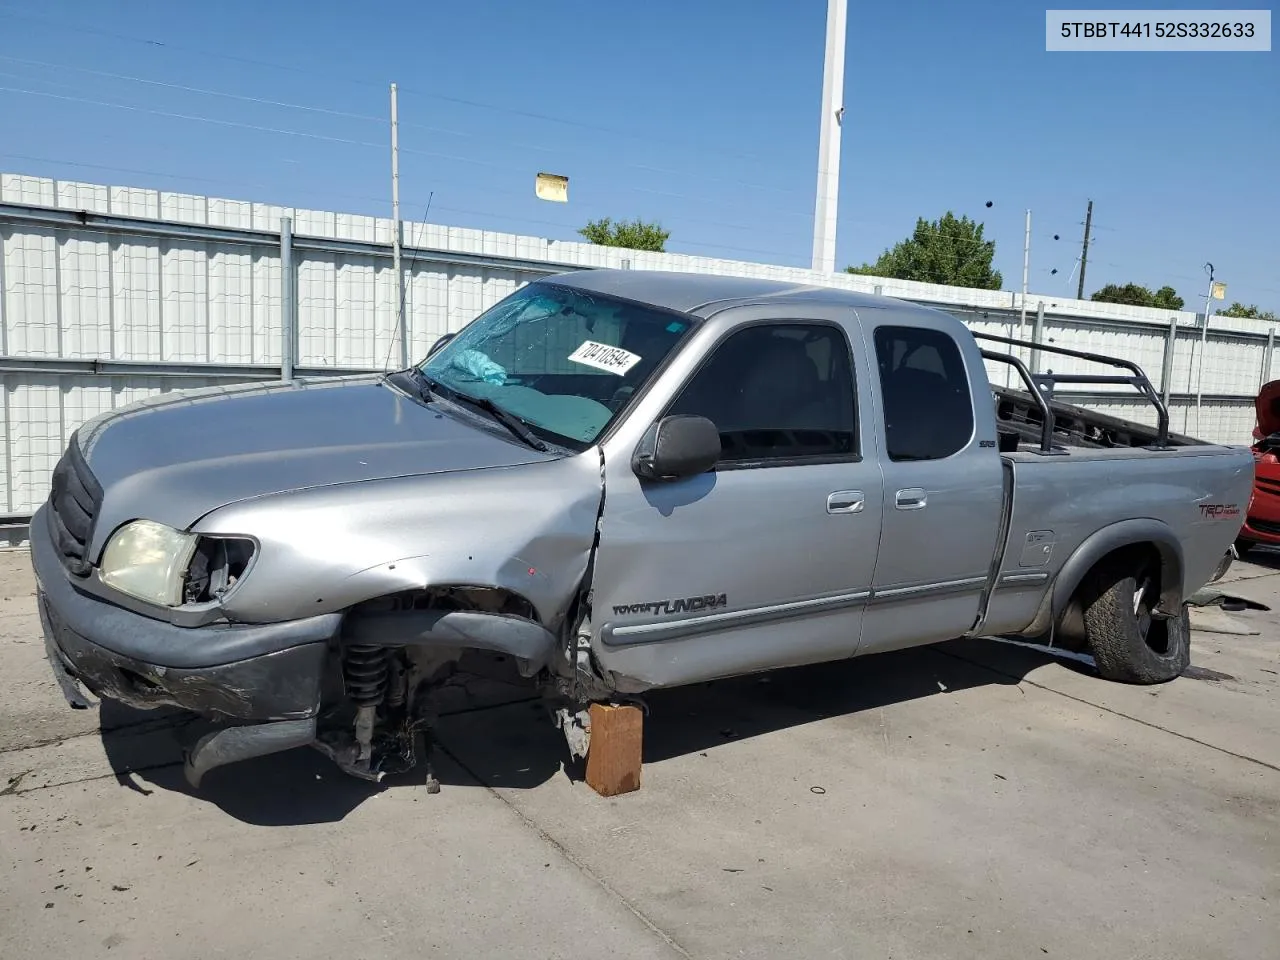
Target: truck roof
{"points": [[692, 292]]}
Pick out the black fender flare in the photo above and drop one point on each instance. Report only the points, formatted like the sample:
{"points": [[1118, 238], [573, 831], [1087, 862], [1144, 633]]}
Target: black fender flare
{"points": [[1141, 531], [531, 644]]}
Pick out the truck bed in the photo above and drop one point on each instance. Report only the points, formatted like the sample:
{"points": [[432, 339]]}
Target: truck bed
{"points": [[1055, 503], [1035, 419], [1072, 474], [1018, 415]]}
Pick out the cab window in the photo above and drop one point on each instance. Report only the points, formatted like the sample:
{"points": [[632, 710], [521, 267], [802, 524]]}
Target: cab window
{"points": [[928, 410], [778, 393]]}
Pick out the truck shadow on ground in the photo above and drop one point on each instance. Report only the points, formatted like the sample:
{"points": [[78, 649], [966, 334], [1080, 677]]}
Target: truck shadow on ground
{"points": [[514, 745], [1264, 556]]}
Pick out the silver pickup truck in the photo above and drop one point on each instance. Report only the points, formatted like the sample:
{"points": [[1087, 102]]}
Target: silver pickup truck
{"points": [[618, 481]]}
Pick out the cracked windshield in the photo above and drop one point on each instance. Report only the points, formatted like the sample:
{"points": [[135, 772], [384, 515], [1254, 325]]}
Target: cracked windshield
{"points": [[563, 361]]}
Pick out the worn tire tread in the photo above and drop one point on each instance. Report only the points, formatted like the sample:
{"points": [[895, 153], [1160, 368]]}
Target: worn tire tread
{"points": [[1111, 629]]}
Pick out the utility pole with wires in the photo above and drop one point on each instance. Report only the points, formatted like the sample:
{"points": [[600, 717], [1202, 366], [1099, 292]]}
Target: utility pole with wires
{"points": [[1084, 250], [1026, 270], [1026, 276], [1216, 291], [402, 326]]}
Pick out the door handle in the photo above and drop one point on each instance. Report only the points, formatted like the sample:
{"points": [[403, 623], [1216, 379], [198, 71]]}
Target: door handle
{"points": [[912, 498], [845, 501]]}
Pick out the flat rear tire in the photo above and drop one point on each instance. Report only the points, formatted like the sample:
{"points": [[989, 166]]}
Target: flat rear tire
{"points": [[1128, 643]]}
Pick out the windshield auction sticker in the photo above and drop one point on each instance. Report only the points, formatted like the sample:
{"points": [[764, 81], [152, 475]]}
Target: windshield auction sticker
{"points": [[604, 357]]}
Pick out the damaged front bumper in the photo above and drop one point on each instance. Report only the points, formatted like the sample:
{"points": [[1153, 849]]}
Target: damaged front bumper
{"points": [[266, 679]]}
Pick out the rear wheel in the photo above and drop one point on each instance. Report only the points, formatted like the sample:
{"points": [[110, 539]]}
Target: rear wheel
{"points": [[1130, 644]]}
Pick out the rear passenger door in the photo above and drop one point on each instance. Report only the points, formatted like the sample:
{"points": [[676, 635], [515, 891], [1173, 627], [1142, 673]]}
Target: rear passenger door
{"points": [[943, 485]]}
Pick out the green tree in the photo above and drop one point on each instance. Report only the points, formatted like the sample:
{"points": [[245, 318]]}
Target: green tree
{"points": [[1136, 295], [1251, 312], [948, 250], [632, 234]]}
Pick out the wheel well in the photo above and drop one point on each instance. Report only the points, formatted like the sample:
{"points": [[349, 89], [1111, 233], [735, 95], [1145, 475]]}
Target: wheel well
{"points": [[1069, 630], [470, 597], [1131, 555], [1069, 627], [442, 624]]}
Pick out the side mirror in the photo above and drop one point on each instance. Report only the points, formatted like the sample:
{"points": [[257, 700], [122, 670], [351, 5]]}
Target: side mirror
{"points": [[677, 447], [440, 342]]}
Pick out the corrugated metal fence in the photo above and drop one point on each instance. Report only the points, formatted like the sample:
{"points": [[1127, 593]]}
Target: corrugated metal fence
{"points": [[111, 294]]}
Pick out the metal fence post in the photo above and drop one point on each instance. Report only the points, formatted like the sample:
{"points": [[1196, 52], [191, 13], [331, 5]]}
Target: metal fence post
{"points": [[1166, 371], [1037, 336], [403, 325], [1266, 357], [288, 305]]}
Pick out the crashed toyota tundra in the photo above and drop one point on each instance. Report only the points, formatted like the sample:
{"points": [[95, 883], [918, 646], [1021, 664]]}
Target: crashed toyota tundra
{"points": [[619, 481]]}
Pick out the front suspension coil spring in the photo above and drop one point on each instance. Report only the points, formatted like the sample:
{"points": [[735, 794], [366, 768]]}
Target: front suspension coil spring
{"points": [[365, 673], [395, 683]]}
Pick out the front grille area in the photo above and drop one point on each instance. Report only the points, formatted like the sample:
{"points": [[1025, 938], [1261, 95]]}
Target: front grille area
{"points": [[74, 500], [1267, 484], [1265, 526]]}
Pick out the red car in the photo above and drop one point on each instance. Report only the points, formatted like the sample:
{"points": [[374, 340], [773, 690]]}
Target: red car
{"points": [[1262, 521]]}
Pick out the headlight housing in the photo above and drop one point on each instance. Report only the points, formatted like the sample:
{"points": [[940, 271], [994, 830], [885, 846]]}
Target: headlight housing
{"points": [[149, 561]]}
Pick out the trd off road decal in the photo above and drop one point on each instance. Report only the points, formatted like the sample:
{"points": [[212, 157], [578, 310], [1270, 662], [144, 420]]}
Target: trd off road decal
{"points": [[1219, 511], [683, 605]]}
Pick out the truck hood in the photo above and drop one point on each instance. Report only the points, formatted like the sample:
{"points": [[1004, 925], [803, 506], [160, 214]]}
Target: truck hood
{"points": [[1267, 404], [176, 457]]}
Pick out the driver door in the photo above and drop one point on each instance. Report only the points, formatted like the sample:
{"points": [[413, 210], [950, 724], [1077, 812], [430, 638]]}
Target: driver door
{"points": [[767, 560]]}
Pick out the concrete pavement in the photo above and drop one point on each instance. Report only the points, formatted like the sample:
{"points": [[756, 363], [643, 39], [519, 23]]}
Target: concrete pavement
{"points": [[974, 799]]}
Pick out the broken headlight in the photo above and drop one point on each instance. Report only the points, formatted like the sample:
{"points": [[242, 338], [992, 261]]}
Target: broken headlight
{"points": [[216, 567], [164, 566]]}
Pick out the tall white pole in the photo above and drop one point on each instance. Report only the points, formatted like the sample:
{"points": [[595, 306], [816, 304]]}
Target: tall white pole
{"points": [[824, 216], [402, 326]]}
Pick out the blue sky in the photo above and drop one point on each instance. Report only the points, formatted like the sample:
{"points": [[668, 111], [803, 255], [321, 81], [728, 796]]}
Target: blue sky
{"points": [[703, 115]]}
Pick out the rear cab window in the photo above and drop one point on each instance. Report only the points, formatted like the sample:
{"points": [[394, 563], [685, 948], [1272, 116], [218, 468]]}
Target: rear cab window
{"points": [[928, 407]]}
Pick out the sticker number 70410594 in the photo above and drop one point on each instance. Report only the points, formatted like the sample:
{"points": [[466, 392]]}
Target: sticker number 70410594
{"points": [[604, 357]]}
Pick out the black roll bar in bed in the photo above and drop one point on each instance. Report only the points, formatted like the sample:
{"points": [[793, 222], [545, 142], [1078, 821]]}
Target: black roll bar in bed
{"points": [[1041, 386]]}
